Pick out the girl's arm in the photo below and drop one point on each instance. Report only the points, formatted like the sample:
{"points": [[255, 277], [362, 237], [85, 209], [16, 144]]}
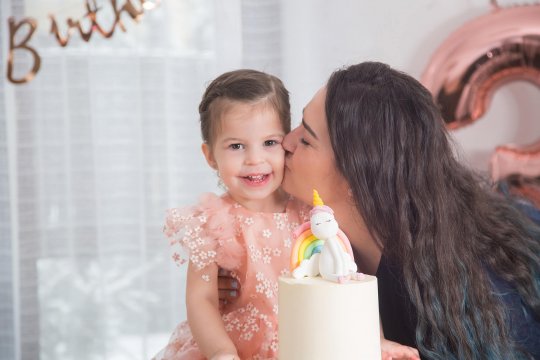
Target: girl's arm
{"points": [[203, 314]]}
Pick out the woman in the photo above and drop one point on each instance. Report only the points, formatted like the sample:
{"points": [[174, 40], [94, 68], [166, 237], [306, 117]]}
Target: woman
{"points": [[458, 268]]}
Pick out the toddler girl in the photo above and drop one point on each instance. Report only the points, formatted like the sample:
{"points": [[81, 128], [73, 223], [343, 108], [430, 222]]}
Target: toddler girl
{"points": [[244, 116]]}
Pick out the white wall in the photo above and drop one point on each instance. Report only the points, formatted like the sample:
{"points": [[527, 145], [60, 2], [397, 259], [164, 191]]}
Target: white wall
{"points": [[319, 36]]}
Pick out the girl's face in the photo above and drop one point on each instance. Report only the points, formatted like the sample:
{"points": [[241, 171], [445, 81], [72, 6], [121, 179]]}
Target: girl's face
{"points": [[247, 153], [309, 161]]}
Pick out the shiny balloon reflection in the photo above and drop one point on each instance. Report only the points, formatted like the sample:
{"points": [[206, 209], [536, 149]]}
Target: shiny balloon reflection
{"points": [[481, 56]]}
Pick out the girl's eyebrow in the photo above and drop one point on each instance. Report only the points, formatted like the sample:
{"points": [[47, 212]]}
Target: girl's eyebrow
{"points": [[242, 140], [276, 135], [309, 129], [231, 139]]}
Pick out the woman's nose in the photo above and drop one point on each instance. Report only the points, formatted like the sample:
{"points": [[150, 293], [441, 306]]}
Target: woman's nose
{"points": [[290, 141]]}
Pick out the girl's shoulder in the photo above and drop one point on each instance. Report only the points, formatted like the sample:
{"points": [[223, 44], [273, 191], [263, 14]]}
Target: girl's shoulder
{"points": [[298, 208], [208, 212], [205, 231]]}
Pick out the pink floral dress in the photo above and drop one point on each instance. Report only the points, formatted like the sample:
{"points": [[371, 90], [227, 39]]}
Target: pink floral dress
{"points": [[256, 247]]}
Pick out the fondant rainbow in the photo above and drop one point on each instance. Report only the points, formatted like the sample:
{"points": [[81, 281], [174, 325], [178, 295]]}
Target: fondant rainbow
{"points": [[306, 244]]}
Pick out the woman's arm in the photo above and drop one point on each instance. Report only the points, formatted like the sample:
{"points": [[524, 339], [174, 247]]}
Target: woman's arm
{"points": [[228, 287], [203, 314]]}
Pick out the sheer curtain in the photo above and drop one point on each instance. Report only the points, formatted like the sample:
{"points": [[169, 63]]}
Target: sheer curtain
{"points": [[92, 152]]}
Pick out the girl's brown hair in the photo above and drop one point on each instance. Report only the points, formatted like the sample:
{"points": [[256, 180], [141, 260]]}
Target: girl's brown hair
{"points": [[242, 85]]}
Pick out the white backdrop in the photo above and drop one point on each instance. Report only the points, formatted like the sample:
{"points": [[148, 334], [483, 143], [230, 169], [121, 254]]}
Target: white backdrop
{"points": [[320, 36], [106, 138]]}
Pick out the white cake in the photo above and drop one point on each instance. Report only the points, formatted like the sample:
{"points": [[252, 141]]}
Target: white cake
{"points": [[320, 319], [326, 310]]}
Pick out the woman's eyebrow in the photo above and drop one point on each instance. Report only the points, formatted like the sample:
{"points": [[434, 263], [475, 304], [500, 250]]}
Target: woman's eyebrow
{"points": [[309, 129]]}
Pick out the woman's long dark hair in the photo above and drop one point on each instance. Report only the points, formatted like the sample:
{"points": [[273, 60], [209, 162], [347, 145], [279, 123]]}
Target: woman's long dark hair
{"points": [[433, 216]]}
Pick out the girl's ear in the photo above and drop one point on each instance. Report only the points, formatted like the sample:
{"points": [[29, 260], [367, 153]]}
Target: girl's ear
{"points": [[209, 156]]}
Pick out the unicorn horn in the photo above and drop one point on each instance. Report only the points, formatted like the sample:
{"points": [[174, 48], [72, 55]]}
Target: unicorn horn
{"points": [[317, 201]]}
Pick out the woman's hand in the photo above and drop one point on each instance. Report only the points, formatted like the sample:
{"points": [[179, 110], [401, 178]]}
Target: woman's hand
{"points": [[224, 356], [228, 287], [393, 351]]}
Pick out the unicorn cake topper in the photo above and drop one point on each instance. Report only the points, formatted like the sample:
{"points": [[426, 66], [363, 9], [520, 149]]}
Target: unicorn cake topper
{"points": [[321, 248]]}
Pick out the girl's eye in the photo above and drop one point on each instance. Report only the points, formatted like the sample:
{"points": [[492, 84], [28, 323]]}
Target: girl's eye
{"points": [[303, 141], [270, 143], [236, 146]]}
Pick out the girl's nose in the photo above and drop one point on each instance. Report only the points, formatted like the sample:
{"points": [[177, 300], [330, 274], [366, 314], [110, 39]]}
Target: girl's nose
{"points": [[254, 156], [290, 141]]}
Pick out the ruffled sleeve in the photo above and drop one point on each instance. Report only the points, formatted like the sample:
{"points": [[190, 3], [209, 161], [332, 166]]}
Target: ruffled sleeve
{"points": [[204, 234]]}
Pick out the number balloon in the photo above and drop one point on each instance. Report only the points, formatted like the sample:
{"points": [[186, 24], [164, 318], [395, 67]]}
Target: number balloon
{"points": [[481, 56]]}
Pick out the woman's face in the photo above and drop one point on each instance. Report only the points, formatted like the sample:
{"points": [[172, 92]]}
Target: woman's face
{"points": [[309, 159]]}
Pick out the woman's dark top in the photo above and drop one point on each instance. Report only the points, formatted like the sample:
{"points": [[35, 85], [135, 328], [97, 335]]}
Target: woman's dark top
{"points": [[399, 317]]}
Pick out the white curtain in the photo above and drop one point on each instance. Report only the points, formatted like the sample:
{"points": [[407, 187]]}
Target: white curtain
{"points": [[92, 152]]}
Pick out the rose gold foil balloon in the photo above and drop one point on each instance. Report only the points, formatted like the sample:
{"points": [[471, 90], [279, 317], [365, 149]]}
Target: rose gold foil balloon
{"points": [[479, 57], [513, 159]]}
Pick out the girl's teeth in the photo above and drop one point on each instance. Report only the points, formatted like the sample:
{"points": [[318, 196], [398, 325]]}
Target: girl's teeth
{"points": [[256, 178]]}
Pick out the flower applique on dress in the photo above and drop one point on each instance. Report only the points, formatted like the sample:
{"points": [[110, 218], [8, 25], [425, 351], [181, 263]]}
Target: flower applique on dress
{"points": [[203, 234], [250, 244]]}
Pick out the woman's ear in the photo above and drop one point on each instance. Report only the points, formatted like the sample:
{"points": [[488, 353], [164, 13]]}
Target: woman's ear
{"points": [[207, 151]]}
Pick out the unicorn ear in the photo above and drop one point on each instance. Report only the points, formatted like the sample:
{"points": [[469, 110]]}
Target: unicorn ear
{"points": [[317, 201]]}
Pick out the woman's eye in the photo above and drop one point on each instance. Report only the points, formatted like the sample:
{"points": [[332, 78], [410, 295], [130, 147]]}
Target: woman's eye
{"points": [[303, 141], [270, 143], [236, 146]]}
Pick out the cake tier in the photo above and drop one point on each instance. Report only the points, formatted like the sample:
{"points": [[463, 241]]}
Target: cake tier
{"points": [[319, 319]]}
